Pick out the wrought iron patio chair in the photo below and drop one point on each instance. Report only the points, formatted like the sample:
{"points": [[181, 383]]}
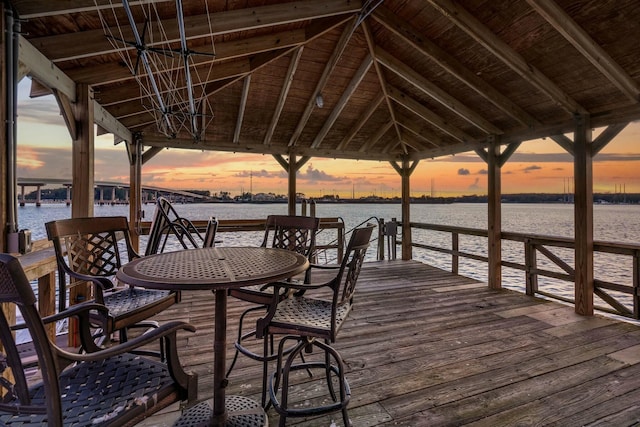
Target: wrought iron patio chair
{"points": [[103, 387], [91, 250], [312, 322], [167, 223], [291, 232]]}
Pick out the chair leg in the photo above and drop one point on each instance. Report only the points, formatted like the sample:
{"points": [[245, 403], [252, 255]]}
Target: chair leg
{"points": [[278, 385], [243, 336]]}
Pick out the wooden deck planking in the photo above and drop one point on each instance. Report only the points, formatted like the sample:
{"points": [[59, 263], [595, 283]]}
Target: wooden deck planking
{"points": [[424, 347]]}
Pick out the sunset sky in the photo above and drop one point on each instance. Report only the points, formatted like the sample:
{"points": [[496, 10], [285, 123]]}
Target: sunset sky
{"points": [[44, 151]]}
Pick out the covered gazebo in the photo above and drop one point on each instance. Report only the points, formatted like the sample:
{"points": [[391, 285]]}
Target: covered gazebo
{"points": [[395, 80]]}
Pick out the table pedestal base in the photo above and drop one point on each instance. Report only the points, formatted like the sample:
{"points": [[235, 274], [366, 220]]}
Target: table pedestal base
{"points": [[241, 412]]}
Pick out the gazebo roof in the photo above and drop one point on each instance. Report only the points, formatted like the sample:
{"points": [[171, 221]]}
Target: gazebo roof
{"points": [[394, 78]]}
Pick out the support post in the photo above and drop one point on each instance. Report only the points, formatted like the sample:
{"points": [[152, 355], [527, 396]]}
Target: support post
{"points": [[82, 197], [407, 248], [4, 161], [405, 172], [494, 208], [583, 214], [135, 187], [292, 191]]}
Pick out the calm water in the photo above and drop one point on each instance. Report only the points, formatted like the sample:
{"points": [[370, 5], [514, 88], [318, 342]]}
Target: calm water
{"points": [[614, 223]]}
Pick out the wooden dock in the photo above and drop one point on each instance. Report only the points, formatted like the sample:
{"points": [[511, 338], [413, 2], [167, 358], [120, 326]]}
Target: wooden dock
{"points": [[425, 347]]}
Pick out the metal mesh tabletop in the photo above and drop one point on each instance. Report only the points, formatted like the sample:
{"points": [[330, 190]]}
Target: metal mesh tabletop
{"points": [[216, 269], [212, 268]]}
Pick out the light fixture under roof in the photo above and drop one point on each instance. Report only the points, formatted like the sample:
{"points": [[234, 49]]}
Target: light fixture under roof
{"points": [[319, 100]]}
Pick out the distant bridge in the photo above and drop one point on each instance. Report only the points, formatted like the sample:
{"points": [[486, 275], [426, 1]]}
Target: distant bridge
{"points": [[41, 182]]}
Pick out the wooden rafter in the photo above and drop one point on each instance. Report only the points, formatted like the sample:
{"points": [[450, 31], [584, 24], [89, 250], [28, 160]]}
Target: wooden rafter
{"points": [[424, 46], [243, 105], [381, 78], [373, 106], [481, 34], [419, 132], [427, 115], [93, 42], [288, 79], [342, 102], [330, 65], [432, 90], [581, 40]]}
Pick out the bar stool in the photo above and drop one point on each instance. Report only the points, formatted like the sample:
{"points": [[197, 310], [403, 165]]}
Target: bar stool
{"points": [[312, 322]]}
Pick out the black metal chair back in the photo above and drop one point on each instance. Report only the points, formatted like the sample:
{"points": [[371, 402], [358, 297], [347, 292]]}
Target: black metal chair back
{"points": [[91, 250], [107, 387]]}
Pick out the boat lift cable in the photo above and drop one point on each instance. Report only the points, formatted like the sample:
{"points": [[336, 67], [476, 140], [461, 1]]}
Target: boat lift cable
{"points": [[347, 233], [186, 53], [142, 53]]}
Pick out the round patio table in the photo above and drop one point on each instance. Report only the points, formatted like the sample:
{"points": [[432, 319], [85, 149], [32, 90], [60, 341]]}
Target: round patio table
{"points": [[217, 269]]}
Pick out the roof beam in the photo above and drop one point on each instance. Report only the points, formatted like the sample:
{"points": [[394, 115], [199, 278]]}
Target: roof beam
{"points": [[373, 106], [37, 8], [121, 94], [94, 42], [45, 71], [329, 66], [483, 35], [109, 123], [427, 115], [415, 39], [49, 75], [156, 140], [411, 140], [235, 69], [115, 71], [342, 102], [241, 108], [430, 89], [291, 71], [582, 41], [381, 77], [373, 140], [424, 134]]}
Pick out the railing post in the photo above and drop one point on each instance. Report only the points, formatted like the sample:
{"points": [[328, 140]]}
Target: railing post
{"points": [[455, 247], [382, 231], [530, 265], [303, 207], [312, 208], [636, 284], [340, 244], [391, 231]]}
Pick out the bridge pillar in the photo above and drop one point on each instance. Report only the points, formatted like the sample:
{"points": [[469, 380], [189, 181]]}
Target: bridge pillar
{"points": [[22, 201], [101, 200], [38, 196], [68, 200], [113, 195]]}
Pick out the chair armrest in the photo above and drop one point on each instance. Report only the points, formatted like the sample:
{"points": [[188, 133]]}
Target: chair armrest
{"points": [[325, 266], [165, 330], [103, 282], [74, 310]]}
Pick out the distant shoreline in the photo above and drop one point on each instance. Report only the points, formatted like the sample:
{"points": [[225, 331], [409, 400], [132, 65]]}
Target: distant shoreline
{"points": [[598, 199]]}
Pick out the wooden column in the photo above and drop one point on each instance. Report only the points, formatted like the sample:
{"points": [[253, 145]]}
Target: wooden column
{"points": [[292, 189], [405, 172], [82, 198], [82, 170], [494, 207], [4, 183], [292, 167], [135, 187], [583, 214]]}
